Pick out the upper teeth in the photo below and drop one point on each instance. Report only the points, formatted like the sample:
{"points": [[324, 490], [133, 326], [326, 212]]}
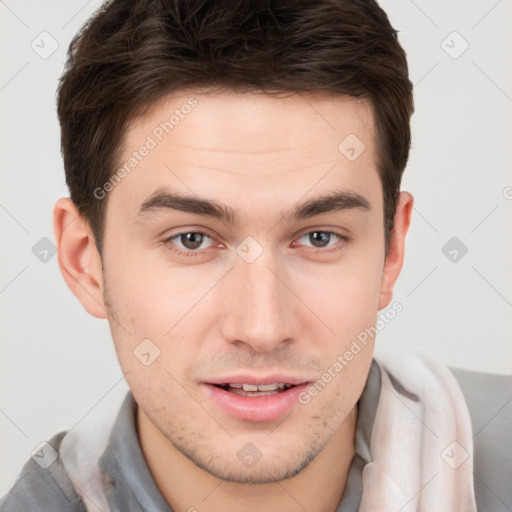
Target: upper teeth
{"points": [[262, 387]]}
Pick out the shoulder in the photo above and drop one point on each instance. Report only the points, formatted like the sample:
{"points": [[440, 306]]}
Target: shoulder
{"points": [[38, 488], [489, 400]]}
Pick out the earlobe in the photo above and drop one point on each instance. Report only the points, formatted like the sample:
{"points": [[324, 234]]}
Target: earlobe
{"points": [[78, 257], [395, 257]]}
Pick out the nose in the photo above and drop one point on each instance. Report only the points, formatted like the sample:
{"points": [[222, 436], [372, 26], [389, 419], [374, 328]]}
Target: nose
{"points": [[258, 304]]}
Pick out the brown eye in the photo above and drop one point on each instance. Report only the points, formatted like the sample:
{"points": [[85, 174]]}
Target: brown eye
{"points": [[191, 241], [188, 243]]}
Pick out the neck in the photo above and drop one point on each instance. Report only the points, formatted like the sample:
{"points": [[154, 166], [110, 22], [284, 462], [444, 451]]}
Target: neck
{"points": [[186, 487]]}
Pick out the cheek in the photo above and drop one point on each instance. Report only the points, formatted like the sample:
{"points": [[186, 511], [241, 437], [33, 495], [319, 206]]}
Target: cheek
{"points": [[346, 297], [151, 296], [157, 304]]}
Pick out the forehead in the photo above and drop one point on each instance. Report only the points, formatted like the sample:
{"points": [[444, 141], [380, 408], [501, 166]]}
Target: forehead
{"points": [[260, 146]]}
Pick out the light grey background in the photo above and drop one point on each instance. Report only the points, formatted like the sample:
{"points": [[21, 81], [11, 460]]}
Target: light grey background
{"points": [[58, 363]]}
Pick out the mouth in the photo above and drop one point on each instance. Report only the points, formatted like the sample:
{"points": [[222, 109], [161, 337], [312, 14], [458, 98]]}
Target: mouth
{"points": [[255, 390], [256, 399]]}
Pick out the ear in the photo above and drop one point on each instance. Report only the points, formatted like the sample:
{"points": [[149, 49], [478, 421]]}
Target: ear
{"points": [[395, 257], [79, 260]]}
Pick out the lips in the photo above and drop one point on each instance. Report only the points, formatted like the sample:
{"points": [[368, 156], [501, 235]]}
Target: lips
{"points": [[256, 398]]}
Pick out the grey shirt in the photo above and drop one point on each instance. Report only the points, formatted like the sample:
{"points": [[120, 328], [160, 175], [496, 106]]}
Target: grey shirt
{"points": [[489, 399]]}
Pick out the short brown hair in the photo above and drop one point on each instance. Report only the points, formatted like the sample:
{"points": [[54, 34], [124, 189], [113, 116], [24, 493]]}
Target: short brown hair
{"points": [[131, 53]]}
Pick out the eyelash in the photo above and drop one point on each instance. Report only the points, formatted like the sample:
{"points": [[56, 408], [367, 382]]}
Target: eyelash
{"points": [[193, 253]]}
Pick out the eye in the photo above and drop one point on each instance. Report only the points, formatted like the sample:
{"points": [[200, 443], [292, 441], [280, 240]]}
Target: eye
{"points": [[191, 241], [321, 239]]}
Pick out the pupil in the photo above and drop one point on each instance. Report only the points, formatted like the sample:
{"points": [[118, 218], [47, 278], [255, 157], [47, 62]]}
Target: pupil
{"points": [[323, 238], [192, 240]]}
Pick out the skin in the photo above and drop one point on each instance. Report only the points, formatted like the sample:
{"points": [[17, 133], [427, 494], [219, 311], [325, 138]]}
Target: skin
{"points": [[292, 310]]}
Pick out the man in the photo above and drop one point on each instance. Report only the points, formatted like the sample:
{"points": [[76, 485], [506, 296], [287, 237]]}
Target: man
{"points": [[235, 214]]}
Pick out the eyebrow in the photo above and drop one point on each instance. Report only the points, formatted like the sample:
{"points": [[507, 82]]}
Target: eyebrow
{"points": [[165, 199]]}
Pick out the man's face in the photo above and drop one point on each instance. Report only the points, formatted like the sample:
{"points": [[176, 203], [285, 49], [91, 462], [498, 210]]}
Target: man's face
{"points": [[267, 295]]}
